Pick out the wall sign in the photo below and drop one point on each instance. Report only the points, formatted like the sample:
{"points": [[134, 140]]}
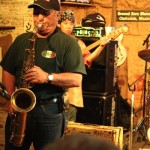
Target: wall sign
{"points": [[133, 16]]}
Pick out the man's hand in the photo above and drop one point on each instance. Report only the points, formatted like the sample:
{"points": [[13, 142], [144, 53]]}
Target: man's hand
{"points": [[104, 40], [36, 75]]}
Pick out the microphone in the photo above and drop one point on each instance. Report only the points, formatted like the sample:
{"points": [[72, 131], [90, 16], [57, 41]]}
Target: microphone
{"points": [[146, 40], [3, 91]]}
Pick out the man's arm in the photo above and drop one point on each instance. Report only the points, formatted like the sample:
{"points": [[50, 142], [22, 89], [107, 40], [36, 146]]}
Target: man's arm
{"points": [[66, 80], [9, 81], [103, 41]]}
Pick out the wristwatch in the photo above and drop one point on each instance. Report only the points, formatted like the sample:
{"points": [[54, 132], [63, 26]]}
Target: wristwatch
{"points": [[50, 77]]}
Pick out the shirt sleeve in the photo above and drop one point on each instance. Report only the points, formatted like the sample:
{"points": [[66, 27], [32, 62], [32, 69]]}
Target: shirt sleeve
{"points": [[86, 62]]}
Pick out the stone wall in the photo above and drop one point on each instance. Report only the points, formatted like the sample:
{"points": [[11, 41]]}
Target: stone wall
{"points": [[13, 13]]}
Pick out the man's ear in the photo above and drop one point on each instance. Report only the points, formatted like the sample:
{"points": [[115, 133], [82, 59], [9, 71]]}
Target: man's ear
{"points": [[58, 15]]}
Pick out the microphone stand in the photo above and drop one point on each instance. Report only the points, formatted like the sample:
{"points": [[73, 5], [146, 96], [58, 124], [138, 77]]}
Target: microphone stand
{"points": [[3, 92], [132, 108], [146, 41], [132, 99]]}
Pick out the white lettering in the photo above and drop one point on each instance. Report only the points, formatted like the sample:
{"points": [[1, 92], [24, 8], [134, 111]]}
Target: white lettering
{"points": [[144, 13], [128, 18], [144, 18], [134, 14], [123, 13]]}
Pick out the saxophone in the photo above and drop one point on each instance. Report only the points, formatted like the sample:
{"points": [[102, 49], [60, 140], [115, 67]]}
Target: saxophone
{"points": [[23, 99]]}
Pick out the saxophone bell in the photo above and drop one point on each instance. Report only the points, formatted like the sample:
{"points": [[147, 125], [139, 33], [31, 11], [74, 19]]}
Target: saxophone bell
{"points": [[23, 100]]}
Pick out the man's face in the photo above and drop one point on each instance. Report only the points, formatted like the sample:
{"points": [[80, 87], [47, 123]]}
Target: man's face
{"points": [[67, 26], [47, 18]]}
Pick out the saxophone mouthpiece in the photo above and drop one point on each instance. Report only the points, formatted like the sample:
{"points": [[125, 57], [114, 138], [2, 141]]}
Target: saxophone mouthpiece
{"points": [[39, 26]]}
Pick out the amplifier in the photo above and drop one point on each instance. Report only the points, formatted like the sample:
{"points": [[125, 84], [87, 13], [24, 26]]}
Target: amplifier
{"points": [[114, 134], [89, 32], [98, 110], [101, 76]]}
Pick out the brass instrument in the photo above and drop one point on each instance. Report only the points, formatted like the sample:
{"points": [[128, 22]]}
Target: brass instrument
{"points": [[23, 99]]}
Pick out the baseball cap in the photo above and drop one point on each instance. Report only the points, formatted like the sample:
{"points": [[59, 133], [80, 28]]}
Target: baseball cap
{"points": [[46, 4]]}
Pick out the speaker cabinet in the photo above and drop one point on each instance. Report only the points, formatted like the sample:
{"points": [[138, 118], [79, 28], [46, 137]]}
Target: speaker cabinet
{"points": [[101, 76], [97, 110]]}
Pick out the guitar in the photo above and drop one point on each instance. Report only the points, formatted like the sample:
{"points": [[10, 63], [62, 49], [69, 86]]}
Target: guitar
{"points": [[121, 51], [112, 35]]}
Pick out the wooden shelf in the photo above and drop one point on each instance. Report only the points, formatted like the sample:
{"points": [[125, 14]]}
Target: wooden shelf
{"points": [[77, 4], [7, 27]]}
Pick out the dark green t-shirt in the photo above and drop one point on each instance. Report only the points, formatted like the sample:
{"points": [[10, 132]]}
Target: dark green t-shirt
{"points": [[55, 54]]}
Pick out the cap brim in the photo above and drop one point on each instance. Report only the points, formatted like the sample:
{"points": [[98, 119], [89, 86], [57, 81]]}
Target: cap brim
{"points": [[34, 5]]}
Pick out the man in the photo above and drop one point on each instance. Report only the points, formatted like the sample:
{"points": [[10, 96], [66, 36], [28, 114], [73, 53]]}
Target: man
{"points": [[74, 95], [50, 61]]}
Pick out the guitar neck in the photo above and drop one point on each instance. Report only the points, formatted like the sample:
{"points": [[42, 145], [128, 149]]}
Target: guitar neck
{"points": [[90, 47], [112, 35]]}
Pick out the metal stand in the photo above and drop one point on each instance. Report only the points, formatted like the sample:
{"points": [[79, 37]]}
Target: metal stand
{"points": [[146, 41], [132, 113], [126, 147], [3, 92], [145, 116], [145, 57], [131, 123]]}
